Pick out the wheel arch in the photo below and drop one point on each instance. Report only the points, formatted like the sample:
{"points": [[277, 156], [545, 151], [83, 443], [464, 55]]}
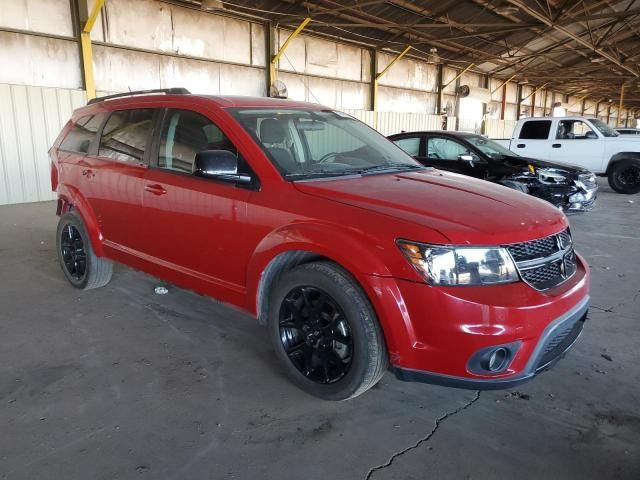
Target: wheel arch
{"points": [[71, 200], [294, 245], [618, 157]]}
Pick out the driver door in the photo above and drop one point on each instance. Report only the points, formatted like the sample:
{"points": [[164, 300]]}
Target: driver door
{"points": [[446, 154], [576, 143], [193, 224]]}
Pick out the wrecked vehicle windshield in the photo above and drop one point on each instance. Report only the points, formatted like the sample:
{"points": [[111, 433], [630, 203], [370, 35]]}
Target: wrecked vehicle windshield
{"points": [[489, 147]]}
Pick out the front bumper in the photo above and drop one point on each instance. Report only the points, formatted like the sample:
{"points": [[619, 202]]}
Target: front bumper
{"points": [[434, 333], [556, 340]]}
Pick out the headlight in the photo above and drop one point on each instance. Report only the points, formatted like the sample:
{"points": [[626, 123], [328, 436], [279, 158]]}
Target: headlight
{"points": [[442, 265]]}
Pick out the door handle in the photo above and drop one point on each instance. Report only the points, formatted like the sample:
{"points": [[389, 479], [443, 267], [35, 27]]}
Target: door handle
{"points": [[521, 145], [87, 172], [556, 145], [155, 189]]}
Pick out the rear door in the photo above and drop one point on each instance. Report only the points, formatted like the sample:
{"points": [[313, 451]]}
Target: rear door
{"points": [[115, 174], [533, 139], [193, 224]]}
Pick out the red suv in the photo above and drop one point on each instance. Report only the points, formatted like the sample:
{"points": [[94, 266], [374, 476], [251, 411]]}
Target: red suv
{"points": [[352, 254]]}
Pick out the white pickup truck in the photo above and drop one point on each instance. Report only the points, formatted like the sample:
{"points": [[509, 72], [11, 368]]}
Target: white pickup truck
{"points": [[587, 142]]}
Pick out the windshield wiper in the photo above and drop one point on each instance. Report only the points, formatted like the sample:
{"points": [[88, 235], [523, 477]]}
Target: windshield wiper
{"points": [[326, 173], [390, 167]]}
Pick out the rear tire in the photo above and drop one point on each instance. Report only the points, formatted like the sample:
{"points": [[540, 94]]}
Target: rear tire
{"points": [[624, 177], [325, 332], [82, 267]]}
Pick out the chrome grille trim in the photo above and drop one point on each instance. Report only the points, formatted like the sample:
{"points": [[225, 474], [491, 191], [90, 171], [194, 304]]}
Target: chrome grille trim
{"points": [[556, 265]]}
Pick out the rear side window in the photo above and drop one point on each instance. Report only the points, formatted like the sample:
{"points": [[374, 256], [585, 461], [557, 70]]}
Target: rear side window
{"points": [[535, 130], [410, 145], [82, 134], [125, 136]]}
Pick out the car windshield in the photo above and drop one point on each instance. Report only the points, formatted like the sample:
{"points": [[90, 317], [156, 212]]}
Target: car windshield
{"points": [[603, 128], [321, 143], [489, 147]]}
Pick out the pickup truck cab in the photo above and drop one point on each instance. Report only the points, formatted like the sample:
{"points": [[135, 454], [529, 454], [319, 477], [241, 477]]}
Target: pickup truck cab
{"points": [[353, 255], [586, 142]]}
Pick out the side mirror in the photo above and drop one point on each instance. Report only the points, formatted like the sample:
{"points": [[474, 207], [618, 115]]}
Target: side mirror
{"points": [[466, 158], [590, 134], [220, 165]]}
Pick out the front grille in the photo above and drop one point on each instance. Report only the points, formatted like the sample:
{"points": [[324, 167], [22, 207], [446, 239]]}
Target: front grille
{"points": [[545, 276], [547, 262], [561, 342], [534, 249]]}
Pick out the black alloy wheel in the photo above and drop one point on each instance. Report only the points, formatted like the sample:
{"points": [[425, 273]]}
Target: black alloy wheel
{"points": [[82, 267], [73, 252], [624, 176], [630, 176], [325, 332], [315, 335]]}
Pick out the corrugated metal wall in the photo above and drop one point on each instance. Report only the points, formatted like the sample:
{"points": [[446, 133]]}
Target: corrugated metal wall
{"points": [[389, 123], [30, 120]]}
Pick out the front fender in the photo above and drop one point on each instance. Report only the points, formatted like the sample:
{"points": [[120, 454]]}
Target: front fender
{"points": [[355, 253], [72, 196]]}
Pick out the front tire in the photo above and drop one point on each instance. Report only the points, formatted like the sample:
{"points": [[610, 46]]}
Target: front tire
{"points": [[624, 177], [325, 332], [82, 267]]}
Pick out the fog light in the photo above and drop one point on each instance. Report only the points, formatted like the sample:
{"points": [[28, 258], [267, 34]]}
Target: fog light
{"points": [[498, 359], [494, 359]]}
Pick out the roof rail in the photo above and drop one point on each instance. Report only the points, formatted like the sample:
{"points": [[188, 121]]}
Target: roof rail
{"points": [[173, 91]]}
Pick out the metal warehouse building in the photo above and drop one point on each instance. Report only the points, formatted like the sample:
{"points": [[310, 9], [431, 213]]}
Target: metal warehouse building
{"points": [[371, 59]]}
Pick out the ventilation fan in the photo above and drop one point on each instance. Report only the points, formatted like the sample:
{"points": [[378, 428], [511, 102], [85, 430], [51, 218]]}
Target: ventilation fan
{"points": [[278, 90]]}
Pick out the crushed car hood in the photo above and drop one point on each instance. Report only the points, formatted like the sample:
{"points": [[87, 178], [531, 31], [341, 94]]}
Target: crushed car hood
{"points": [[463, 209], [523, 162]]}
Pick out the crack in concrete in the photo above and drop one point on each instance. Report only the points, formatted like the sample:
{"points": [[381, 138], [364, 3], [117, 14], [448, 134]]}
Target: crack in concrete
{"points": [[439, 420]]}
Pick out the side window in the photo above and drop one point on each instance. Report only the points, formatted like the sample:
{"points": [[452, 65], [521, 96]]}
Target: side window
{"points": [[574, 130], [410, 145], [184, 134], [535, 130], [82, 134], [444, 149], [124, 137]]}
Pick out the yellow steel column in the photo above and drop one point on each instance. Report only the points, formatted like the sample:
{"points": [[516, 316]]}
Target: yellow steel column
{"points": [[375, 83], [87, 54], [276, 57]]}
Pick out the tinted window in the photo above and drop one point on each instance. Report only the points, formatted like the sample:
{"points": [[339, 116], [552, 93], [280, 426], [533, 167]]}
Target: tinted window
{"points": [[124, 137], [186, 133], [410, 145], [82, 134], [444, 149], [535, 130]]}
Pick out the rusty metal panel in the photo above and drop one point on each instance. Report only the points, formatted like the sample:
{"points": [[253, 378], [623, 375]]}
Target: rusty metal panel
{"points": [[258, 45], [407, 73], [50, 16], [448, 74], [401, 100], [332, 93], [33, 60], [30, 121]]}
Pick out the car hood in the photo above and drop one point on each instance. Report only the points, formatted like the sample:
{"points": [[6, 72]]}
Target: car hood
{"points": [[524, 161], [463, 209]]}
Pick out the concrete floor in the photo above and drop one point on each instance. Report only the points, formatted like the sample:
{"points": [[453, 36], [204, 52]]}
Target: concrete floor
{"points": [[122, 383]]}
